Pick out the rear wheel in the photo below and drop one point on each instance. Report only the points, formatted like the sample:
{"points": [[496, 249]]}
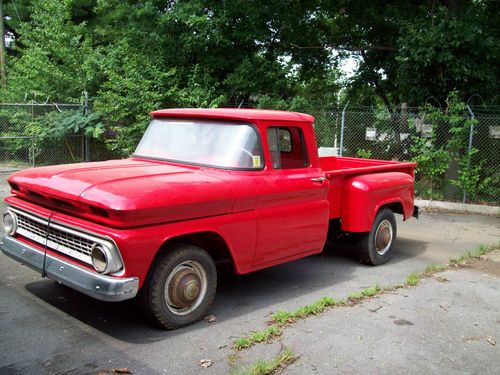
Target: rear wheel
{"points": [[181, 287], [377, 246]]}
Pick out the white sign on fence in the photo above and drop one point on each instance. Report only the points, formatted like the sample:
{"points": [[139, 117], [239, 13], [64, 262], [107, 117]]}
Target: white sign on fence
{"points": [[495, 132], [371, 134]]}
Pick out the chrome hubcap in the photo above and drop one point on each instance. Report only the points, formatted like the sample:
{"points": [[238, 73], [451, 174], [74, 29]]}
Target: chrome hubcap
{"points": [[185, 288], [383, 237]]}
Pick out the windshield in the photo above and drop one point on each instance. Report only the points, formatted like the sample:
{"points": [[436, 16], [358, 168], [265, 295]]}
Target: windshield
{"points": [[219, 144]]}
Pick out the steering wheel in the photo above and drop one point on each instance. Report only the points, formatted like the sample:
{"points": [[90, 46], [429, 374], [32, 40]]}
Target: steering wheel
{"points": [[246, 151], [246, 163]]}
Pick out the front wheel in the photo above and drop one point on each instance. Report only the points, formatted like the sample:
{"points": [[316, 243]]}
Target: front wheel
{"points": [[377, 246], [181, 286]]}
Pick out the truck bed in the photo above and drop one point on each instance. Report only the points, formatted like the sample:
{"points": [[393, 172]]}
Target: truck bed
{"points": [[337, 166], [341, 171]]}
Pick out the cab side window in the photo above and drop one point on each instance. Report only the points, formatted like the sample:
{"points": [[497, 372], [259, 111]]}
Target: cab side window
{"points": [[287, 147]]}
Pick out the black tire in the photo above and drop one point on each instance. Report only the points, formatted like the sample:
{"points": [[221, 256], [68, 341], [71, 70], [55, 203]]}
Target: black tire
{"points": [[187, 269], [377, 246]]}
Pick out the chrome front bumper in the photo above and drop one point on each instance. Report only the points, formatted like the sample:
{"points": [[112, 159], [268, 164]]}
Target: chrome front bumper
{"points": [[101, 287]]}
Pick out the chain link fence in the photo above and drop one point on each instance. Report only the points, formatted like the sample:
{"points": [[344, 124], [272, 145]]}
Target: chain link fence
{"points": [[458, 156], [468, 171], [24, 142], [485, 139], [458, 163]]}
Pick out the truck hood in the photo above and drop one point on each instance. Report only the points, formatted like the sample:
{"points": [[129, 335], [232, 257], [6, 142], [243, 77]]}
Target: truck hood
{"points": [[126, 192]]}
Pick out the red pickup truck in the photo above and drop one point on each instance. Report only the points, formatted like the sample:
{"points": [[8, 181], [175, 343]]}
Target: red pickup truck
{"points": [[203, 185]]}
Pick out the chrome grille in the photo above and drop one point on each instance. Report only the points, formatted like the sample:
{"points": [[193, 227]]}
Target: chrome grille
{"points": [[65, 240], [31, 225], [71, 241]]}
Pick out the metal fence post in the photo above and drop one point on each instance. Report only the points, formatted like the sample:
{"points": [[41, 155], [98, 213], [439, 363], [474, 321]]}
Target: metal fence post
{"points": [[342, 127], [33, 139], [471, 136], [86, 139]]}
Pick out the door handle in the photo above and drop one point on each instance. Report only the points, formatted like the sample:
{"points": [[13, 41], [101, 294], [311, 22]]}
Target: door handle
{"points": [[318, 179]]}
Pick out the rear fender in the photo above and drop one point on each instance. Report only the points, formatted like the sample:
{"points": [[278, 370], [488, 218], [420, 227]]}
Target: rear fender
{"points": [[364, 195]]}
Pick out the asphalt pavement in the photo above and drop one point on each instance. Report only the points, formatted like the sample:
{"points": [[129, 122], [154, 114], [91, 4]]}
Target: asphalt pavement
{"points": [[448, 324], [46, 328]]}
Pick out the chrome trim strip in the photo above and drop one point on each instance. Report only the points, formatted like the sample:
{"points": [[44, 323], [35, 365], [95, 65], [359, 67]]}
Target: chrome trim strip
{"points": [[101, 287]]}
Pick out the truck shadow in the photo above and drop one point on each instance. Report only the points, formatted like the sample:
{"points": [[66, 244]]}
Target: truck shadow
{"points": [[237, 295]]}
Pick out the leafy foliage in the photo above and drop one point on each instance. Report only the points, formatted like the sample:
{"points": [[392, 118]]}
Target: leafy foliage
{"points": [[447, 146], [471, 176], [432, 165], [28, 133], [362, 153], [60, 124], [55, 60], [448, 48], [412, 53], [133, 57]]}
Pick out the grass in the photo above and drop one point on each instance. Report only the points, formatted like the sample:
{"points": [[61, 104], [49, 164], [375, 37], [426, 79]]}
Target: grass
{"points": [[364, 293], [232, 359], [262, 367], [433, 268], [413, 279], [282, 318], [471, 255], [461, 259], [256, 337], [483, 249], [371, 291]]}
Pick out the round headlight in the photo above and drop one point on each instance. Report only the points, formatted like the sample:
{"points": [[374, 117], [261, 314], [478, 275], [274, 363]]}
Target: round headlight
{"points": [[9, 223], [99, 258]]}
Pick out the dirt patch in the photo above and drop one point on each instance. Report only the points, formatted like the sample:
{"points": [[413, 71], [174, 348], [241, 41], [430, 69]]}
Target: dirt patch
{"points": [[489, 265], [438, 210]]}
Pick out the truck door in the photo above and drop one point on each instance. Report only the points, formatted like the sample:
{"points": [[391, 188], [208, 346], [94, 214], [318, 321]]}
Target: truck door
{"points": [[292, 205]]}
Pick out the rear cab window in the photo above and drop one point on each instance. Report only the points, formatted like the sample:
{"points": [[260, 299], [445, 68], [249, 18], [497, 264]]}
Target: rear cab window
{"points": [[287, 147]]}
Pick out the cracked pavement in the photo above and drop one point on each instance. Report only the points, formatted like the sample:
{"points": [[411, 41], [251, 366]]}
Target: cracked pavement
{"points": [[449, 323]]}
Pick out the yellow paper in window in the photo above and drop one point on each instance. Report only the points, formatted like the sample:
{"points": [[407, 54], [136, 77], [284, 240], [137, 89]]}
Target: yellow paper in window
{"points": [[256, 161]]}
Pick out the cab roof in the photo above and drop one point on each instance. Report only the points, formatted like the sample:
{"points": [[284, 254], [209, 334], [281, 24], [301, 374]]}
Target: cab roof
{"points": [[234, 114]]}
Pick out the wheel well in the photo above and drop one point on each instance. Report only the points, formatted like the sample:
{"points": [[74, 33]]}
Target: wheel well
{"points": [[395, 207], [211, 242]]}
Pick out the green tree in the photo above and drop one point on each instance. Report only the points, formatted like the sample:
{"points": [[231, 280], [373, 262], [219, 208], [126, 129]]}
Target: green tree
{"points": [[452, 47], [55, 54], [410, 52]]}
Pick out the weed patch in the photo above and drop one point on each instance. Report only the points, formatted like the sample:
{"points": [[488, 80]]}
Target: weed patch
{"points": [[282, 318], [364, 293], [261, 367], [371, 291], [256, 337], [413, 279], [471, 255], [433, 268]]}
